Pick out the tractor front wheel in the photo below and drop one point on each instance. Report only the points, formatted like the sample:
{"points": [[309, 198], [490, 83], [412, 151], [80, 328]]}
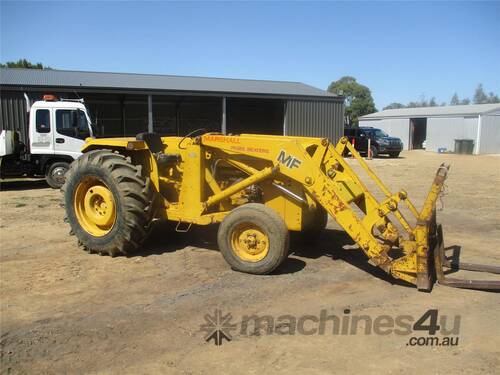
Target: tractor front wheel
{"points": [[254, 239], [108, 203]]}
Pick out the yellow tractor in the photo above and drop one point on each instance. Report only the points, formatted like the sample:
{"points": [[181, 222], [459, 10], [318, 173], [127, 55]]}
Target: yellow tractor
{"points": [[258, 187]]}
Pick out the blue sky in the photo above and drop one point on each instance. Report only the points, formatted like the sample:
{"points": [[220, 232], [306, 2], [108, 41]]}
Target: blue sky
{"points": [[400, 50]]}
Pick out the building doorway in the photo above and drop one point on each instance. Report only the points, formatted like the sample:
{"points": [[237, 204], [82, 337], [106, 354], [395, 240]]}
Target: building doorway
{"points": [[418, 133], [258, 116]]}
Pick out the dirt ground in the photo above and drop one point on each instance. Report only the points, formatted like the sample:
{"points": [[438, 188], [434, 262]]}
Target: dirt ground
{"points": [[65, 311]]}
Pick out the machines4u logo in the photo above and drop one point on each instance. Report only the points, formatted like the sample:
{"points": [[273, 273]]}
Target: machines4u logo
{"points": [[218, 327], [430, 329], [288, 160]]}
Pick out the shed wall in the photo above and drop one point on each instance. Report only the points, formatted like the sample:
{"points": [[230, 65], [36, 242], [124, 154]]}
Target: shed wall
{"points": [[442, 131], [490, 134], [315, 119]]}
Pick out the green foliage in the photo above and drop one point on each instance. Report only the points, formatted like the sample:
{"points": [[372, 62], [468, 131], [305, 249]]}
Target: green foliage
{"points": [[394, 105], [23, 63], [455, 100], [358, 98], [480, 96], [423, 102]]}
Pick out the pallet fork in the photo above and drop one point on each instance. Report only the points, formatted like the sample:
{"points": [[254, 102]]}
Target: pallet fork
{"points": [[431, 258]]}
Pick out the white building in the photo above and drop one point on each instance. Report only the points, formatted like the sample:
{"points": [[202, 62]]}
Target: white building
{"points": [[440, 126]]}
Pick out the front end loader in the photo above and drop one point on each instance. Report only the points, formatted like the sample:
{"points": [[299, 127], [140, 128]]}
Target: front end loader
{"points": [[259, 188]]}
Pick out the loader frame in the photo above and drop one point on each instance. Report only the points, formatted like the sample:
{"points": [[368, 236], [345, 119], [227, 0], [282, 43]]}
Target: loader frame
{"points": [[295, 176]]}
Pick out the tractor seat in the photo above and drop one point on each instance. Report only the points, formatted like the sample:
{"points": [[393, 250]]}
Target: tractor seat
{"points": [[152, 140]]}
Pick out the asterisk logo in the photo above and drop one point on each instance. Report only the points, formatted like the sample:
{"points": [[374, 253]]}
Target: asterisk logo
{"points": [[218, 327]]}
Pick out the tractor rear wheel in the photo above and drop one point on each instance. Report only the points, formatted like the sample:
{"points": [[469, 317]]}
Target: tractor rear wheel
{"points": [[253, 238], [108, 203]]}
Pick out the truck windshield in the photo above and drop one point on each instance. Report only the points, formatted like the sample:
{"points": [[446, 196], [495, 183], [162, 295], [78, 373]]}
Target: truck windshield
{"points": [[380, 133], [91, 123]]}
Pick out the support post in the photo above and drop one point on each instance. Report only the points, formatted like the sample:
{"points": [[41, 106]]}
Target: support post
{"points": [[150, 113], [223, 124], [284, 117], [122, 107], [478, 136]]}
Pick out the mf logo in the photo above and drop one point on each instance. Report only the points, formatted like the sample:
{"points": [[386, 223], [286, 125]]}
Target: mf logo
{"points": [[289, 161]]}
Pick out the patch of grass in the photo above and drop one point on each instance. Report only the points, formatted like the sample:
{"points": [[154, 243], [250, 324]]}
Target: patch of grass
{"points": [[20, 205]]}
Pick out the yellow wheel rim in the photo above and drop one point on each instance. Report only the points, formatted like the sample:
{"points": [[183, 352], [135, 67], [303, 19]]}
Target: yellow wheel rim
{"points": [[95, 207], [249, 242]]}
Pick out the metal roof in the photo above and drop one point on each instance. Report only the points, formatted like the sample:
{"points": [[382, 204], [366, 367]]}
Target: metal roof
{"points": [[153, 82], [445, 111]]}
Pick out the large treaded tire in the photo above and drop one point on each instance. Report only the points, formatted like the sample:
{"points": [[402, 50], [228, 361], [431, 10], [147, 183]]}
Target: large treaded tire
{"points": [[270, 223], [133, 198]]}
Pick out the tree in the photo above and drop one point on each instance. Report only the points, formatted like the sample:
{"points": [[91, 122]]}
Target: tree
{"points": [[493, 98], [455, 100], [394, 105], [479, 96], [358, 98], [465, 101], [23, 63]]}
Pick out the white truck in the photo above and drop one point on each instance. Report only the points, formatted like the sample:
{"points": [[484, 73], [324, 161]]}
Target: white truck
{"points": [[57, 132]]}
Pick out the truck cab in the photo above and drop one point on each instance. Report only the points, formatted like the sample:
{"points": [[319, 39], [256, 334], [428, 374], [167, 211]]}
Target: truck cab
{"points": [[57, 132]]}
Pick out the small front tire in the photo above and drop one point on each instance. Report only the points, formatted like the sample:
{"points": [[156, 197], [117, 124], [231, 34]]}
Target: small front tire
{"points": [[254, 239]]}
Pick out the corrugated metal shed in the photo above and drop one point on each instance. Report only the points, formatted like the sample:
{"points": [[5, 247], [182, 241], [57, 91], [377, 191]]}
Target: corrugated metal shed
{"points": [[315, 119], [119, 103], [441, 126], [73, 79], [445, 111]]}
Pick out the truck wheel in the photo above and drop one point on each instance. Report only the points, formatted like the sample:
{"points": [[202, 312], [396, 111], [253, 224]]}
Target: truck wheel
{"points": [[317, 225], [253, 238], [108, 203], [374, 151], [55, 174]]}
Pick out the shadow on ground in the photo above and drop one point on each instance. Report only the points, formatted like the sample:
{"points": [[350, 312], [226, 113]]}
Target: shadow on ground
{"points": [[23, 185], [331, 243]]}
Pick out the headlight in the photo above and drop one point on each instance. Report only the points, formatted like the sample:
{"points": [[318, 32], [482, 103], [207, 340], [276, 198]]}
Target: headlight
{"points": [[383, 141]]}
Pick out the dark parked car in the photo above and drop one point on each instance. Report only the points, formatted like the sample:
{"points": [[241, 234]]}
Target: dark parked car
{"points": [[380, 142]]}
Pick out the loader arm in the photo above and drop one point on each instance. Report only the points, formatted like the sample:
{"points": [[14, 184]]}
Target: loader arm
{"points": [[329, 180]]}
